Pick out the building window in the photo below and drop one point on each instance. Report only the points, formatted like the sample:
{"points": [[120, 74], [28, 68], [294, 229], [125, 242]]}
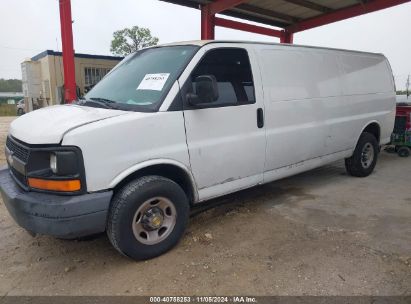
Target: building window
{"points": [[94, 75]]}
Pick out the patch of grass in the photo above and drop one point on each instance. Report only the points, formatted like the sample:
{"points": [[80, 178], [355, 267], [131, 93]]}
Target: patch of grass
{"points": [[8, 110]]}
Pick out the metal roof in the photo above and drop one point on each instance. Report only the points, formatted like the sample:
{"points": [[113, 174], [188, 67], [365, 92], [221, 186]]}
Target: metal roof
{"points": [[282, 13]]}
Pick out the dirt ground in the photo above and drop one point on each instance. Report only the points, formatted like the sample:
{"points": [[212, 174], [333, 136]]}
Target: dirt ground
{"points": [[318, 233]]}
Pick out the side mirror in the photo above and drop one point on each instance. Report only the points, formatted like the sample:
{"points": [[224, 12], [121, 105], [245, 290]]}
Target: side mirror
{"points": [[206, 90]]}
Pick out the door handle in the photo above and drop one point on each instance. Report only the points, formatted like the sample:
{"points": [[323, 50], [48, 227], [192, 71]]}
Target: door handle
{"points": [[260, 118]]}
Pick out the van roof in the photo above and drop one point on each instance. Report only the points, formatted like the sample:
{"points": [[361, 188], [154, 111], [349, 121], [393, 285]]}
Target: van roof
{"points": [[205, 42]]}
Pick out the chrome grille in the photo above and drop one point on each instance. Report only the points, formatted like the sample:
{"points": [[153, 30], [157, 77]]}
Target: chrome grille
{"points": [[18, 149]]}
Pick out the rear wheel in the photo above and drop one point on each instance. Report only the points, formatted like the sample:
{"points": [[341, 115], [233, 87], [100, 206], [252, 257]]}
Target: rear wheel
{"points": [[147, 217], [364, 158], [20, 112], [403, 151]]}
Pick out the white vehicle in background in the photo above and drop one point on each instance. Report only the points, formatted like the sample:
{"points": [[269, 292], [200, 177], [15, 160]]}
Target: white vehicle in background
{"points": [[175, 125]]}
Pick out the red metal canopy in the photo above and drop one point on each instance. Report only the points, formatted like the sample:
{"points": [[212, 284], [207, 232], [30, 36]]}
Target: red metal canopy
{"points": [[291, 16], [288, 16]]}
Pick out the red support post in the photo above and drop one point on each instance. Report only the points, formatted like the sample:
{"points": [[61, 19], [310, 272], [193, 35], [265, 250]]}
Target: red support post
{"points": [[247, 27], [68, 51], [286, 37], [208, 12], [207, 23]]}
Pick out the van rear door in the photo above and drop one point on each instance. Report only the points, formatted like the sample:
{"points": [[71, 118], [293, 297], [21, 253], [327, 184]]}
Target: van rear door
{"points": [[225, 138]]}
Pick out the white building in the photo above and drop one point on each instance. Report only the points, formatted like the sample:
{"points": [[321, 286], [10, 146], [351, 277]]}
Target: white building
{"points": [[43, 81]]}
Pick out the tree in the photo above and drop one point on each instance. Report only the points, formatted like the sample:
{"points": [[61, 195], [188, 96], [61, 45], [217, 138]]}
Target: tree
{"points": [[10, 85], [129, 40]]}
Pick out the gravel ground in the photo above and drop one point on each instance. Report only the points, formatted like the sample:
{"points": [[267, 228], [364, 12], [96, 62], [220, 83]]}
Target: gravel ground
{"points": [[318, 233]]}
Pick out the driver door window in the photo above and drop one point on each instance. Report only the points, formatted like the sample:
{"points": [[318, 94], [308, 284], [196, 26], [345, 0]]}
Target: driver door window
{"points": [[232, 70]]}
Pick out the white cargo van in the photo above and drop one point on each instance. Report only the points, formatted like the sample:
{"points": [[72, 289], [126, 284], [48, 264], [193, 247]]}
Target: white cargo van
{"points": [[175, 125]]}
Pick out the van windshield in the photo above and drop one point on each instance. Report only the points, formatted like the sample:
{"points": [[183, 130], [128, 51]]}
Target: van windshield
{"points": [[142, 80]]}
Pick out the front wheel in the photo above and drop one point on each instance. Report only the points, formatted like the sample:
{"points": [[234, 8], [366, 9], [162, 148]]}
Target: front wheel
{"points": [[147, 217], [364, 158]]}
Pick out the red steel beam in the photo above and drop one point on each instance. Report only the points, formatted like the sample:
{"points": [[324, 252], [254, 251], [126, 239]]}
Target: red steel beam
{"points": [[247, 27], [207, 23], [345, 13], [68, 51]]}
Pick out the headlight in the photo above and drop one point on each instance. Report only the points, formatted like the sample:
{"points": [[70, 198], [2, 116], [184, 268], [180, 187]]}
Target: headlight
{"points": [[57, 169], [53, 163], [64, 163]]}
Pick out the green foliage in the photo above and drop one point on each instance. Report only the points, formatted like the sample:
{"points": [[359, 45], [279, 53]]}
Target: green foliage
{"points": [[10, 85], [129, 40], [403, 93]]}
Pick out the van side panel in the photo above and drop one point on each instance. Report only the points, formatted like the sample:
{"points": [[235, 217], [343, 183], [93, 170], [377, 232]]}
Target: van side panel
{"points": [[369, 93], [297, 83], [318, 101], [365, 74]]}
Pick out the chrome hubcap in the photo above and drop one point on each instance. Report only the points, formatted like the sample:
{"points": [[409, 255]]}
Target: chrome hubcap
{"points": [[367, 155], [154, 220]]}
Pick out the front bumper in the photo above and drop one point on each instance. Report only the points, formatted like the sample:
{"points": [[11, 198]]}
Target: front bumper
{"points": [[56, 215]]}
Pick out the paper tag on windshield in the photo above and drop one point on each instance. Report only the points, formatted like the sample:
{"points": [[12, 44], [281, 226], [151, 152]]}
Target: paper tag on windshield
{"points": [[154, 82]]}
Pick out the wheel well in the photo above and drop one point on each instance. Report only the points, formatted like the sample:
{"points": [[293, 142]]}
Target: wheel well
{"points": [[374, 129], [176, 174]]}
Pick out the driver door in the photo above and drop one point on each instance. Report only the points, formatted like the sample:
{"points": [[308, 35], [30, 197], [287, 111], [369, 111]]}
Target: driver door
{"points": [[225, 137]]}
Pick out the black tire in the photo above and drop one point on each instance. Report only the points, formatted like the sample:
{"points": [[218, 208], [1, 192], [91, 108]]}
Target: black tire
{"points": [[124, 206], [403, 152], [354, 165], [20, 112]]}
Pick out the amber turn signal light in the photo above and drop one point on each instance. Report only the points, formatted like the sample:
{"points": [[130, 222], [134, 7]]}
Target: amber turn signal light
{"points": [[55, 185]]}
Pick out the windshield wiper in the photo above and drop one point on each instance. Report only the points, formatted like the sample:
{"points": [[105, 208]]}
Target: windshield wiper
{"points": [[100, 102], [104, 100]]}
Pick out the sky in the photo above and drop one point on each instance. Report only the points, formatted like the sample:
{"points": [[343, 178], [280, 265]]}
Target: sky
{"points": [[28, 27]]}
